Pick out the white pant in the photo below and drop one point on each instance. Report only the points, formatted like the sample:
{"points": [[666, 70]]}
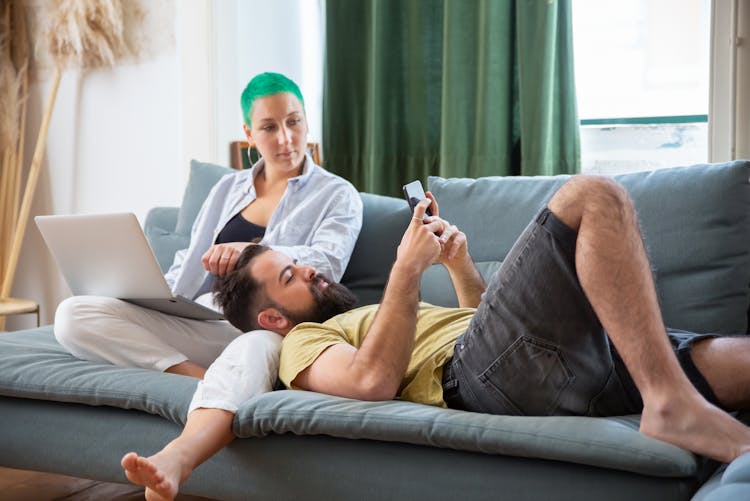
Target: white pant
{"points": [[110, 330], [247, 367]]}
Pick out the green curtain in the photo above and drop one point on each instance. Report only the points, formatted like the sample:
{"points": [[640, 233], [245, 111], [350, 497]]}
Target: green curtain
{"points": [[467, 88]]}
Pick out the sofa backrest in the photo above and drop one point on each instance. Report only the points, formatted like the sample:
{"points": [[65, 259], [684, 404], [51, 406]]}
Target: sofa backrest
{"points": [[384, 220], [168, 228], [695, 223]]}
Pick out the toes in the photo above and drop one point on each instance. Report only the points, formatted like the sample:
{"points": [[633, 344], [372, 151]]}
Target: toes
{"points": [[129, 460]]}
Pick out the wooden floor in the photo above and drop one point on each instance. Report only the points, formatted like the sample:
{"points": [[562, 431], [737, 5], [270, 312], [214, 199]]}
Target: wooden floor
{"points": [[21, 485]]}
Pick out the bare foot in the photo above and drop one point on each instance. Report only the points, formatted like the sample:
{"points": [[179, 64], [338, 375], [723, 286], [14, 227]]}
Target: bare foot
{"points": [[690, 422], [159, 474]]}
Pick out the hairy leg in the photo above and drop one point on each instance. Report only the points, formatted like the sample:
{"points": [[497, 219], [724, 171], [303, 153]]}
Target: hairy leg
{"points": [[615, 274], [725, 363], [206, 432]]}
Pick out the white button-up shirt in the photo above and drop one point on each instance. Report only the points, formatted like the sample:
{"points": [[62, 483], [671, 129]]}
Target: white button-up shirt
{"points": [[317, 222]]}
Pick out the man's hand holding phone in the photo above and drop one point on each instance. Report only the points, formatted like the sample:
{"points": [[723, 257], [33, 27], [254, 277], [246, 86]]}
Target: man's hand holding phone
{"points": [[453, 247], [420, 245], [452, 240], [413, 192]]}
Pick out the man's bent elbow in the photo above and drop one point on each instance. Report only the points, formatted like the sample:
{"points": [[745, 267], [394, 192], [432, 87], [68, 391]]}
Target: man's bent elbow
{"points": [[376, 389]]}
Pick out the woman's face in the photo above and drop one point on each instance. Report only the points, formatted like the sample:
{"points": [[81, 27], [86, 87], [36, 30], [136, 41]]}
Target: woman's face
{"points": [[279, 130]]}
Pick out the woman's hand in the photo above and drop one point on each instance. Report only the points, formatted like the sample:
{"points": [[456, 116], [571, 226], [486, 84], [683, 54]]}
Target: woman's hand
{"points": [[220, 259]]}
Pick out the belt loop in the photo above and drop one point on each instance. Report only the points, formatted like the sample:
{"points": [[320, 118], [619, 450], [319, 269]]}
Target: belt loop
{"points": [[450, 386], [447, 374]]}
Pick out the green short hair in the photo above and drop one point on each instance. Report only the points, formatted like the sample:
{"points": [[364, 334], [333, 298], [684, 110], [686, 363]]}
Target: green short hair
{"points": [[266, 84]]}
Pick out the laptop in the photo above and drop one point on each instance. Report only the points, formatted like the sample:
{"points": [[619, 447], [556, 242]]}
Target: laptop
{"points": [[108, 255]]}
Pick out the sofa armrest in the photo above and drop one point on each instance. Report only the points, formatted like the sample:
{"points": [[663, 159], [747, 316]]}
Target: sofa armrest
{"points": [[730, 482], [159, 228]]}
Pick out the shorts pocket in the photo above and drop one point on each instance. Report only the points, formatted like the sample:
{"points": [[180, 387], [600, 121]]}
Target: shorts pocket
{"points": [[529, 377]]}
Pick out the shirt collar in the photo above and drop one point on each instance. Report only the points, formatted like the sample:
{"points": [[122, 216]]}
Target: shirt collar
{"points": [[307, 173]]}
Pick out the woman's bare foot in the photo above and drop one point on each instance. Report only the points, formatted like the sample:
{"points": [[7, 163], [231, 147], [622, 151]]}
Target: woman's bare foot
{"points": [[160, 474], [688, 421]]}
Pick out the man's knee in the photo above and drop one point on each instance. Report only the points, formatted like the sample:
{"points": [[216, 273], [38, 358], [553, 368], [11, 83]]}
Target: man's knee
{"points": [[605, 193], [587, 195]]}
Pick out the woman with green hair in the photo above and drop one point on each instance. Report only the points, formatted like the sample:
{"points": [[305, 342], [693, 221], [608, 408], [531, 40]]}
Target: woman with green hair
{"points": [[284, 201]]}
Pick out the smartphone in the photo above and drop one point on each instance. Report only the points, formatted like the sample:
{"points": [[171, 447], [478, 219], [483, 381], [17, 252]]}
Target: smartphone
{"points": [[413, 192]]}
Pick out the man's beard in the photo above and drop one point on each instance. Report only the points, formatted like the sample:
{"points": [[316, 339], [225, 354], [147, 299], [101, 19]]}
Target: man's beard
{"points": [[329, 302]]}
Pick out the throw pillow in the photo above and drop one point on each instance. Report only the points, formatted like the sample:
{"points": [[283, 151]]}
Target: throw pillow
{"points": [[203, 176]]}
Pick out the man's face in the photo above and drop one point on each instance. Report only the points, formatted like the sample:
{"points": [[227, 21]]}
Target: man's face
{"points": [[297, 291]]}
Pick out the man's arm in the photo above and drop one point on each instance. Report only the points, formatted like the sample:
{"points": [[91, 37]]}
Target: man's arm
{"points": [[375, 370], [467, 281]]}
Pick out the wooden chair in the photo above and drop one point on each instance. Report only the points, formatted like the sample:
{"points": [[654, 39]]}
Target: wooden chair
{"points": [[15, 306], [239, 160]]}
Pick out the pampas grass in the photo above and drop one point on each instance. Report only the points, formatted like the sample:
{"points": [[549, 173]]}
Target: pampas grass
{"points": [[13, 89], [81, 34], [10, 85], [21, 60], [86, 33]]}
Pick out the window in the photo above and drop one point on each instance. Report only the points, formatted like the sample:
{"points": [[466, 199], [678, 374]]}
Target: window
{"points": [[642, 79]]}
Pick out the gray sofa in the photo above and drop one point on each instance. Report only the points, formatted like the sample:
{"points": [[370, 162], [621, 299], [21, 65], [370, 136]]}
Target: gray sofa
{"points": [[59, 414]]}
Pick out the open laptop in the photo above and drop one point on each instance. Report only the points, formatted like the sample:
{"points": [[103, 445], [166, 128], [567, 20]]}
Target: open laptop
{"points": [[108, 255]]}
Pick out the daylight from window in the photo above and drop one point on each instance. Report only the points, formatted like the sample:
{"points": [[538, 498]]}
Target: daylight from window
{"points": [[642, 73]]}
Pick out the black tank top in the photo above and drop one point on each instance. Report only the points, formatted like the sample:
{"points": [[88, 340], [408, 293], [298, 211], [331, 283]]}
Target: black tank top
{"points": [[239, 229]]}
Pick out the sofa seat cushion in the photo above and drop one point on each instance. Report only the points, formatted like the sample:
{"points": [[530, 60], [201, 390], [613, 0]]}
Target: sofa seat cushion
{"points": [[695, 223], [34, 365], [603, 442]]}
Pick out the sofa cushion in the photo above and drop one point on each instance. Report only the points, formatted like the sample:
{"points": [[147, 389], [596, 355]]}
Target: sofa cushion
{"points": [[612, 442], [159, 229], [695, 223], [730, 482], [34, 365], [203, 177]]}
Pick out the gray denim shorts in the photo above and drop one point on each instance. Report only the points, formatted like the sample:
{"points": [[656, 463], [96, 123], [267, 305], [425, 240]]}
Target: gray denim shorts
{"points": [[535, 346]]}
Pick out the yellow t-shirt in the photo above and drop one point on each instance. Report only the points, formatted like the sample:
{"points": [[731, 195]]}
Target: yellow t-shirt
{"points": [[436, 334]]}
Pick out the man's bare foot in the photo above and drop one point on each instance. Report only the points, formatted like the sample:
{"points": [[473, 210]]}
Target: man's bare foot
{"points": [[689, 421], [160, 474]]}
